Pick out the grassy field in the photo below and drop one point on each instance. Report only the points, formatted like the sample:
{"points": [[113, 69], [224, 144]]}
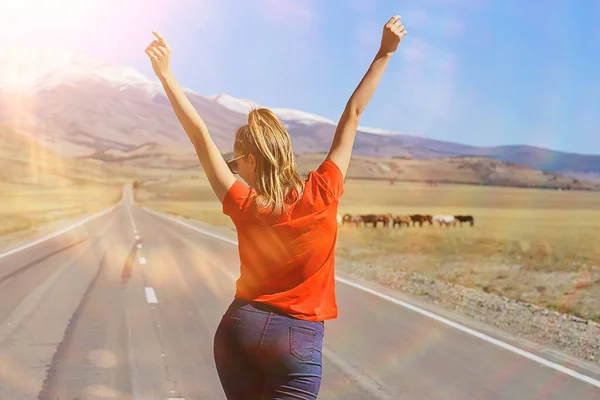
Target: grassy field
{"points": [[538, 246], [39, 185], [23, 207]]}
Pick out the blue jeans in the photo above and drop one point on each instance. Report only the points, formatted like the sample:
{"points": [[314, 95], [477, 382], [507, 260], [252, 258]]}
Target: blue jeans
{"points": [[262, 354]]}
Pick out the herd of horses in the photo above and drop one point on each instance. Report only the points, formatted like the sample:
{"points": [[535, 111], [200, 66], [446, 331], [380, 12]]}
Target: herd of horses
{"points": [[408, 220]]}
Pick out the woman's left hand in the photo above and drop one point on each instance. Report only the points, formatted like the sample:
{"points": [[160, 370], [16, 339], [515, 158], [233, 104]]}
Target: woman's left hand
{"points": [[159, 53]]}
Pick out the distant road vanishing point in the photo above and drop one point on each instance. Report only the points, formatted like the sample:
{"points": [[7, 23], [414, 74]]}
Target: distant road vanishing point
{"points": [[124, 305]]}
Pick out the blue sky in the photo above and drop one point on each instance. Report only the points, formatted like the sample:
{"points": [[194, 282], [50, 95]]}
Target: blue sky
{"points": [[478, 72]]}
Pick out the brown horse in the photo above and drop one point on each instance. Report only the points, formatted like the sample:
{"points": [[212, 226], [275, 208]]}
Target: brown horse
{"points": [[420, 219], [465, 218], [376, 218], [369, 219], [401, 219], [385, 219]]}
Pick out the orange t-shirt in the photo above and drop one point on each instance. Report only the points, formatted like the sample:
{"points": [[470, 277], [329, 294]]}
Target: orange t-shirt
{"points": [[289, 263]]}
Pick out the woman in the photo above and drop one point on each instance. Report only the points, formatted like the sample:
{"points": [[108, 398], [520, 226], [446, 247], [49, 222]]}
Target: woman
{"points": [[268, 344]]}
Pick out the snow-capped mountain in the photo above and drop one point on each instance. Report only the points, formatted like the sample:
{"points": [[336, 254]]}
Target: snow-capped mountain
{"points": [[42, 69], [286, 114], [81, 106]]}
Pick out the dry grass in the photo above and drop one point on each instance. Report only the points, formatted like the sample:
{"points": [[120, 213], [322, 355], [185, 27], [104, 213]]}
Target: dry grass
{"points": [[538, 246], [23, 207], [534, 245], [540, 229], [39, 185], [188, 197]]}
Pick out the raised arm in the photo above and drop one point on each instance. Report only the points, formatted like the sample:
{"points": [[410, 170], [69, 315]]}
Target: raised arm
{"points": [[215, 167], [343, 141]]}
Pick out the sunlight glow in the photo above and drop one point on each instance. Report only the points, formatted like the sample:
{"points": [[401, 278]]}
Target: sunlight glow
{"points": [[39, 16]]}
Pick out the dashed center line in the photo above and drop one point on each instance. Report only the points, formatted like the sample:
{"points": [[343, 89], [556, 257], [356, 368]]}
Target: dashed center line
{"points": [[142, 260], [151, 296], [139, 246]]}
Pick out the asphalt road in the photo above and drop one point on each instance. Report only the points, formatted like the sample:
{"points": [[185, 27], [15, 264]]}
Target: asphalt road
{"points": [[125, 306]]}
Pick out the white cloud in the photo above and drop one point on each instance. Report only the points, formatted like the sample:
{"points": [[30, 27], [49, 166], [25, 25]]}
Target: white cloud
{"points": [[427, 86], [452, 27], [463, 3], [416, 19], [297, 14], [369, 33], [414, 49], [367, 40], [296, 23], [207, 15], [419, 20], [100, 29], [363, 7]]}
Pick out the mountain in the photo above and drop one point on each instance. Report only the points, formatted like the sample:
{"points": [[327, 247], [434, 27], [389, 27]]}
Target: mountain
{"points": [[149, 155], [24, 161], [82, 107], [376, 142], [285, 114], [466, 170]]}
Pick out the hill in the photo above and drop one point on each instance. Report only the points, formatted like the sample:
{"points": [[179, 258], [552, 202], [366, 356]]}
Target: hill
{"points": [[81, 107], [463, 170], [25, 161], [468, 170]]}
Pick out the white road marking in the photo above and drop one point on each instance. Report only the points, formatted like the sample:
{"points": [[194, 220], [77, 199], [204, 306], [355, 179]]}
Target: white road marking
{"points": [[473, 332], [151, 296], [135, 230], [68, 228], [131, 218], [142, 260], [208, 233], [139, 246]]}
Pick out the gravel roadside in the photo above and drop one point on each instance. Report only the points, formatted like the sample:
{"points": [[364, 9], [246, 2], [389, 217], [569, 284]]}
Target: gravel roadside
{"points": [[567, 333]]}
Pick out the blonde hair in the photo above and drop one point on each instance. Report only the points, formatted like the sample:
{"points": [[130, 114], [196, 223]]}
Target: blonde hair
{"points": [[277, 177]]}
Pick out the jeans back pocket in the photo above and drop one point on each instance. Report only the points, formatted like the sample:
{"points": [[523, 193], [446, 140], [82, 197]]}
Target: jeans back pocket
{"points": [[302, 342]]}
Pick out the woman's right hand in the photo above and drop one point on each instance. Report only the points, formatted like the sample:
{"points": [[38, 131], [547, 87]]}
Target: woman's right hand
{"points": [[393, 32], [159, 53]]}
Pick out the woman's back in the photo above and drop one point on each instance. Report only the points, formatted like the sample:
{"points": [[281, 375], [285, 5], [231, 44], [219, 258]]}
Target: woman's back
{"points": [[274, 349], [288, 262]]}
